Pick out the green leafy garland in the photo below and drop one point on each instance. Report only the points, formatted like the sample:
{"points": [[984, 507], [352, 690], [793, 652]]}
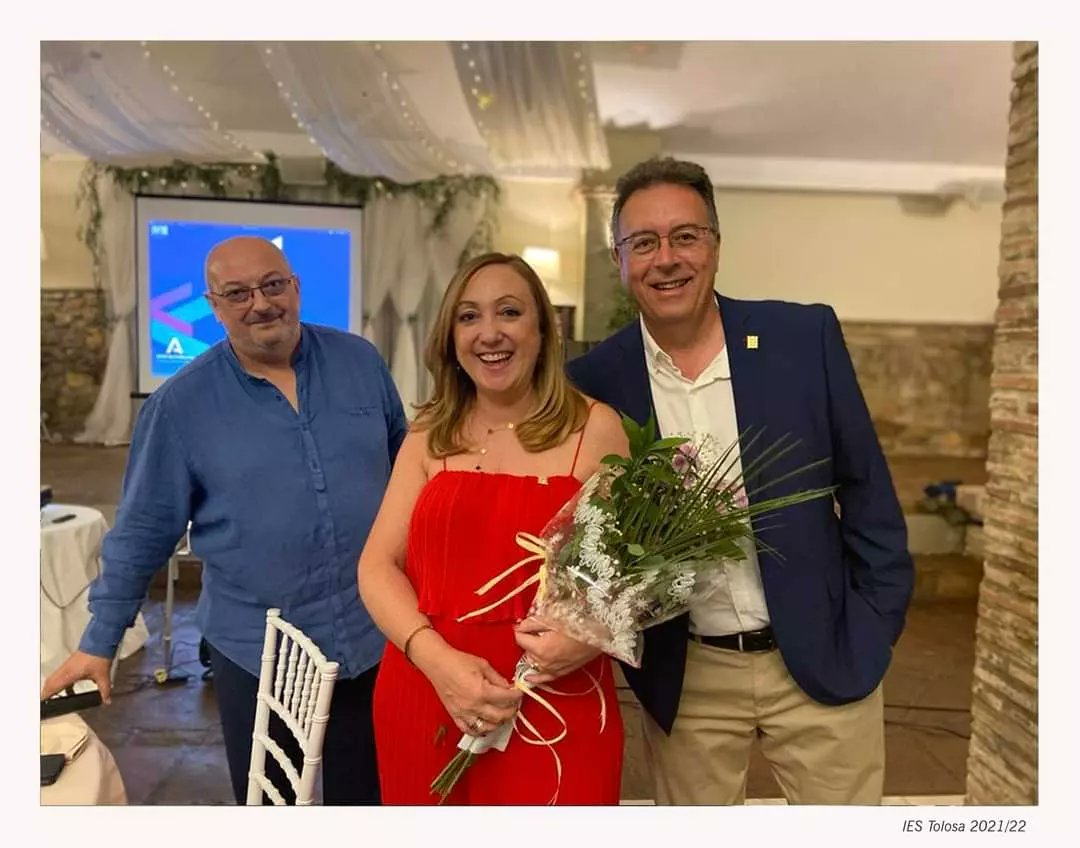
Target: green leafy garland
{"points": [[263, 182]]}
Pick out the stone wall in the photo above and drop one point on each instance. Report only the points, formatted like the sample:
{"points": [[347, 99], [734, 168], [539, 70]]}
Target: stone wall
{"points": [[927, 385], [73, 353], [1003, 754]]}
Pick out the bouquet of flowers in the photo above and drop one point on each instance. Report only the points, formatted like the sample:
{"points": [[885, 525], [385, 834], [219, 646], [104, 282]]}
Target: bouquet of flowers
{"points": [[636, 545]]}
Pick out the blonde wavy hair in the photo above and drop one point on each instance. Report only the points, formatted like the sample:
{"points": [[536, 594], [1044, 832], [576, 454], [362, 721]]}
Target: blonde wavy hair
{"points": [[560, 408]]}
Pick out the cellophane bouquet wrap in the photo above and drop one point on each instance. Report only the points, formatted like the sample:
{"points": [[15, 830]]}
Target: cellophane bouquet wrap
{"points": [[643, 536]]}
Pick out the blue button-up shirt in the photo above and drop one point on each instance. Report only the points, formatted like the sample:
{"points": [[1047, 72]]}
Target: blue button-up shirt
{"points": [[280, 502]]}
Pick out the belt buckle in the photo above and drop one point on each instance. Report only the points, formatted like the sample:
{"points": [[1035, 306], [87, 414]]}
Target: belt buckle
{"points": [[740, 642]]}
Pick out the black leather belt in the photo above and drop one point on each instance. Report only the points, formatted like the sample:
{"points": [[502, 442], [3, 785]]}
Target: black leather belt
{"points": [[750, 640]]}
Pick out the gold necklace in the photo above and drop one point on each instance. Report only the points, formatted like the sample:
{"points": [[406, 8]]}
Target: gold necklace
{"points": [[490, 430]]}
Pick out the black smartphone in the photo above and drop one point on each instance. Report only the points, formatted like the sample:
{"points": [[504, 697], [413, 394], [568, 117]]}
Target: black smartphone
{"points": [[69, 702], [51, 766]]}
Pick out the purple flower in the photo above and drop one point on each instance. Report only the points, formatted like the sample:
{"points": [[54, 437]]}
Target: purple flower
{"points": [[685, 458]]}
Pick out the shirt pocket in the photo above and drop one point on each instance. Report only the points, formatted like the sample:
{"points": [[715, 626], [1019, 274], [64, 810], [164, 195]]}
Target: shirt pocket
{"points": [[358, 435], [365, 428]]}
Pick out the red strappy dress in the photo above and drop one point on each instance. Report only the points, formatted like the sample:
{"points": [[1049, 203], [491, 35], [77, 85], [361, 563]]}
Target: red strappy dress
{"points": [[461, 535]]}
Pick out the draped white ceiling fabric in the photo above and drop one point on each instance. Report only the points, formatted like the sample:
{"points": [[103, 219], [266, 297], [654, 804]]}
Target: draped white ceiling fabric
{"points": [[108, 101], [529, 108], [534, 103], [347, 98]]}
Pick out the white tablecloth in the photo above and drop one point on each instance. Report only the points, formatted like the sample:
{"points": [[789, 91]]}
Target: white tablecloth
{"points": [[90, 775], [70, 560]]}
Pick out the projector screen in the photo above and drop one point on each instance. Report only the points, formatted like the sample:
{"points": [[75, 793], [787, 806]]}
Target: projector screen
{"points": [[174, 236]]}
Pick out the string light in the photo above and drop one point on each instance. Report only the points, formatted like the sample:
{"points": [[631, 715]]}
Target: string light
{"points": [[484, 97], [396, 94], [304, 126], [410, 115], [592, 117], [210, 119], [56, 131]]}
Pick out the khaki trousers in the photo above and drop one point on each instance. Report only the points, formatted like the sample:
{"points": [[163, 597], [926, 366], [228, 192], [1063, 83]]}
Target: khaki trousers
{"points": [[818, 754]]}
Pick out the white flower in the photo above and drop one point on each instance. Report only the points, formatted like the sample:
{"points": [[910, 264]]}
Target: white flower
{"points": [[708, 451], [682, 586]]}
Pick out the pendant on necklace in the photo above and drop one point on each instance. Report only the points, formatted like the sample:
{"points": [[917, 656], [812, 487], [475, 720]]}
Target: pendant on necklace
{"points": [[490, 432]]}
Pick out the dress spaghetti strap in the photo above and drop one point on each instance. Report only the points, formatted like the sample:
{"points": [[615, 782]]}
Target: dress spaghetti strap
{"points": [[581, 437]]}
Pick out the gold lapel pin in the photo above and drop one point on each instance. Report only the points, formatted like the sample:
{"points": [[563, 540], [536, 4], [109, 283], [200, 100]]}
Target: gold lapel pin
{"points": [[751, 342]]}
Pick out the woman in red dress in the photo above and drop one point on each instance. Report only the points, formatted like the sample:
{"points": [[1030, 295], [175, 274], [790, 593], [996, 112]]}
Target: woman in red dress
{"points": [[502, 445]]}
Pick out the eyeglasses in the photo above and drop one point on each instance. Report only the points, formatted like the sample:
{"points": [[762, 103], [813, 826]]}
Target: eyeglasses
{"points": [[240, 295], [683, 239]]}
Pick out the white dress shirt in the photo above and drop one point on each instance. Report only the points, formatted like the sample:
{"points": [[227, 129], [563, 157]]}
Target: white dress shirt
{"points": [[693, 408]]}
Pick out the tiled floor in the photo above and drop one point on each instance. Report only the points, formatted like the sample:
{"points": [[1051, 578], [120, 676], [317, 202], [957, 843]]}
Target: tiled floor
{"points": [[168, 745]]}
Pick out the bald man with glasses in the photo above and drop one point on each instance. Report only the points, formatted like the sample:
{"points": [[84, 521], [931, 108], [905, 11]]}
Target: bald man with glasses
{"points": [[276, 444]]}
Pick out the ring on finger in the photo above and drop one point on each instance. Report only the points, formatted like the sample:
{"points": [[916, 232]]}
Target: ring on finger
{"points": [[477, 724]]}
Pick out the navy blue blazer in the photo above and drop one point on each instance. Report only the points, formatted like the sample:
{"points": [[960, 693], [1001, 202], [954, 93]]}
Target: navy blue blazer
{"points": [[838, 597]]}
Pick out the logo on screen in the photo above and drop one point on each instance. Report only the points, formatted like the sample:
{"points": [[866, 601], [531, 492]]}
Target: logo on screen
{"points": [[177, 319]]}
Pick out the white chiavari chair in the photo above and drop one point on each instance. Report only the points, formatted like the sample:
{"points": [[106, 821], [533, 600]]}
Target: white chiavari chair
{"points": [[296, 682]]}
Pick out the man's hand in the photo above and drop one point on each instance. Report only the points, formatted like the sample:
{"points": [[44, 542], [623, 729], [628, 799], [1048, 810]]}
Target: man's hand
{"points": [[551, 653], [80, 666]]}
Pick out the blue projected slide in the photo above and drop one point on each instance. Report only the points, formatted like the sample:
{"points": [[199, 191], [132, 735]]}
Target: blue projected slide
{"points": [[181, 322]]}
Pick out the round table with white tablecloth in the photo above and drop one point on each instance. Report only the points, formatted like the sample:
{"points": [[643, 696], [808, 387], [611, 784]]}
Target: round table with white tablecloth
{"points": [[89, 775], [70, 560]]}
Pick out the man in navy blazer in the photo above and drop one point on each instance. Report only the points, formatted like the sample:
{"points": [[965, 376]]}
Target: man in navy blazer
{"points": [[795, 640]]}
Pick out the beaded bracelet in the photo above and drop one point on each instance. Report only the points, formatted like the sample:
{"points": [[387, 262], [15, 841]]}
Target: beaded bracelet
{"points": [[409, 638]]}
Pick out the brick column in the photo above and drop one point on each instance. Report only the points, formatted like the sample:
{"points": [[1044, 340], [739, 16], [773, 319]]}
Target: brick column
{"points": [[1002, 758]]}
